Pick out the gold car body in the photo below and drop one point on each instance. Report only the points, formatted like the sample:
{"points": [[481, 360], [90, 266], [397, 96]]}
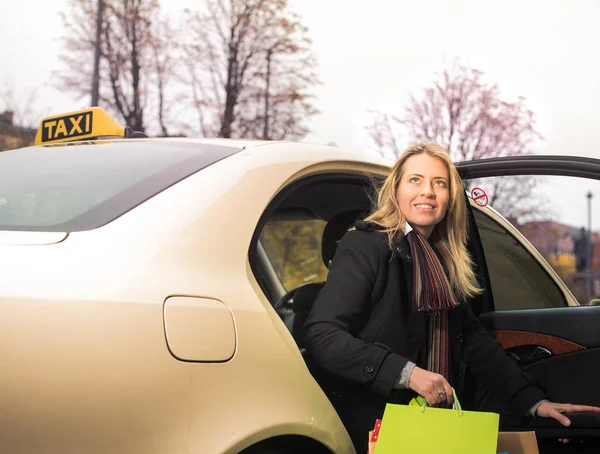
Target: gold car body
{"points": [[150, 334], [89, 320]]}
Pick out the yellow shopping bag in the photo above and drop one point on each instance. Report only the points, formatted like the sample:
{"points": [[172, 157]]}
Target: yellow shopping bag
{"points": [[419, 429]]}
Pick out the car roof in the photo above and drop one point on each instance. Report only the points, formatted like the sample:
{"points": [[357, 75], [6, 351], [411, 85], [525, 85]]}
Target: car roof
{"points": [[234, 143], [320, 152]]}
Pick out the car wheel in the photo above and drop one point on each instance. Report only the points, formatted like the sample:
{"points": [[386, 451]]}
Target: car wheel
{"points": [[267, 450], [287, 445]]}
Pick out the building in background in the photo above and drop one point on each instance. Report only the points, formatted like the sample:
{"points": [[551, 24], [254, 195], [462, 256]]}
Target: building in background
{"points": [[12, 136], [566, 250], [556, 242]]}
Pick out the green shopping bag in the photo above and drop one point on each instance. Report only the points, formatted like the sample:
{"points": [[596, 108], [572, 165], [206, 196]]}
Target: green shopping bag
{"points": [[416, 429]]}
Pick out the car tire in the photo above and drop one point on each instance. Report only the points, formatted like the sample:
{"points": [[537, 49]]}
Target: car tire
{"points": [[287, 445], [267, 450]]}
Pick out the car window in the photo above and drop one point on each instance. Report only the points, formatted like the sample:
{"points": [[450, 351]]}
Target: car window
{"points": [[83, 186], [294, 249], [553, 213], [518, 280]]}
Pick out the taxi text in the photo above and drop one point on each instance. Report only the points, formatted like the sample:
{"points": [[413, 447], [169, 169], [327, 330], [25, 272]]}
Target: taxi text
{"points": [[66, 127]]}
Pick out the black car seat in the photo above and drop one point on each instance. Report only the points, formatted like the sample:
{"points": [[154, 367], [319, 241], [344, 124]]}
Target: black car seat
{"points": [[305, 296]]}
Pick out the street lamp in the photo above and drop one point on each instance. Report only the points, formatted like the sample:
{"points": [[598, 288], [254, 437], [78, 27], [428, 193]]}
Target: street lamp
{"points": [[590, 278]]}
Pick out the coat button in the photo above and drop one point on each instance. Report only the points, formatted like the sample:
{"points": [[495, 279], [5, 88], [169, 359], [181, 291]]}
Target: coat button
{"points": [[459, 338], [370, 369]]}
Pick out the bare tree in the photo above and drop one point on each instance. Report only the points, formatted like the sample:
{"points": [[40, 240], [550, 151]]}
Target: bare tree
{"points": [[468, 117], [97, 49], [79, 46], [132, 63], [464, 114], [384, 131], [249, 69], [164, 60]]}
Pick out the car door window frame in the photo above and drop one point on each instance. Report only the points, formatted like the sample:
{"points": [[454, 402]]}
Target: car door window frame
{"points": [[365, 177]]}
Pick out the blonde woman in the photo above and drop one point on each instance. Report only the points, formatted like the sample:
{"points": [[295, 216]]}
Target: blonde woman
{"points": [[393, 319]]}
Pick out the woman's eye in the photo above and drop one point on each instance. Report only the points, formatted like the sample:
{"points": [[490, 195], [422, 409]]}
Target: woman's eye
{"points": [[440, 183], [414, 180]]}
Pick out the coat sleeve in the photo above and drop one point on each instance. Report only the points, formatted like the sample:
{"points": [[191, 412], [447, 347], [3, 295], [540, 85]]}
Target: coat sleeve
{"points": [[490, 364], [332, 327]]}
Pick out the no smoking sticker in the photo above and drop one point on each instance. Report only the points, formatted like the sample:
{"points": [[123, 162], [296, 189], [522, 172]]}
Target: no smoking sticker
{"points": [[479, 197]]}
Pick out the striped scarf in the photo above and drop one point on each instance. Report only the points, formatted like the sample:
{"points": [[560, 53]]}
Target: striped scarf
{"points": [[433, 294]]}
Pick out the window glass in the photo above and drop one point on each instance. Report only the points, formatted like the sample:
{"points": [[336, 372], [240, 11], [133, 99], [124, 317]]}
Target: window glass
{"points": [[554, 214], [518, 280], [83, 186], [294, 249]]}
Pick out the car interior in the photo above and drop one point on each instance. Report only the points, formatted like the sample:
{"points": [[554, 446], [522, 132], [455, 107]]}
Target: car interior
{"points": [[338, 200]]}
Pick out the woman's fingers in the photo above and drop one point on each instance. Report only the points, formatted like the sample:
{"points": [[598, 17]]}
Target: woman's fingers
{"points": [[554, 410], [433, 387], [441, 391], [449, 394], [432, 398], [433, 395], [570, 408], [554, 413]]}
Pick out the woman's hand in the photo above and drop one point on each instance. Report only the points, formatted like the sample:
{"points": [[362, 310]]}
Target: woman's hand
{"points": [[554, 410], [433, 387]]}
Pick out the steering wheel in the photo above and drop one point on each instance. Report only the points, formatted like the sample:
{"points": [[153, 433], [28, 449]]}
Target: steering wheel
{"points": [[286, 297]]}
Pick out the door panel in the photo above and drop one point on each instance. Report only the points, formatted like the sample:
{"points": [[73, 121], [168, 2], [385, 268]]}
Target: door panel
{"points": [[578, 371], [579, 325], [527, 347], [572, 337]]}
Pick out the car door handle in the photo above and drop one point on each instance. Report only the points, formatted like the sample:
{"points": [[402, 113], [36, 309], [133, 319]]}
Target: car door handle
{"points": [[525, 356], [540, 353]]}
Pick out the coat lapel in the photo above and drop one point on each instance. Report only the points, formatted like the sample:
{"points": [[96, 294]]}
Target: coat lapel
{"points": [[417, 324]]}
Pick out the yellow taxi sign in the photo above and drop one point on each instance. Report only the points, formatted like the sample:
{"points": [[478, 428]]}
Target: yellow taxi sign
{"points": [[78, 125]]}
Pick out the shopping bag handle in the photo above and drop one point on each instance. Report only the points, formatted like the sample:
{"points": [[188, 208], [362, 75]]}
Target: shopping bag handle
{"points": [[456, 405]]}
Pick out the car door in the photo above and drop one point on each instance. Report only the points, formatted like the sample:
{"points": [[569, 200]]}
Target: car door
{"points": [[537, 299]]}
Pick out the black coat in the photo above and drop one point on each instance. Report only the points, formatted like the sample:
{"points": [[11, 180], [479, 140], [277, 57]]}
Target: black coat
{"points": [[361, 331]]}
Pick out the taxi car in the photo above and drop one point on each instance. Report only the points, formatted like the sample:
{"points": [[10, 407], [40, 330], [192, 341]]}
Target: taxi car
{"points": [[151, 291]]}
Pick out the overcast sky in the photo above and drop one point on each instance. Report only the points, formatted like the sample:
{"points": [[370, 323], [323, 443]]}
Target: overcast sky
{"points": [[372, 54]]}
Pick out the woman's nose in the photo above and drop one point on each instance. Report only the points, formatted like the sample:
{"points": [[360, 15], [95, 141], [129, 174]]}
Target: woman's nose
{"points": [[427, 190]]}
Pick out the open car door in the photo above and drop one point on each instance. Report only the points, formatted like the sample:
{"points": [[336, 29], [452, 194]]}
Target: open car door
{"points": [[533, 258]]}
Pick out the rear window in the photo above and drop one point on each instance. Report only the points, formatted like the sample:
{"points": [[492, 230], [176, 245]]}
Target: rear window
{"points": [[80, 187]]}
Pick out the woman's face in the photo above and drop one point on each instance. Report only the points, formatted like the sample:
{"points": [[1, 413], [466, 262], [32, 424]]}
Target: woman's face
{"points": [[424, 192]]}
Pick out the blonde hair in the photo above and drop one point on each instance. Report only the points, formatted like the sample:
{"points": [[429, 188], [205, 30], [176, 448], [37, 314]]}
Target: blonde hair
{"points": [[449, 237]]}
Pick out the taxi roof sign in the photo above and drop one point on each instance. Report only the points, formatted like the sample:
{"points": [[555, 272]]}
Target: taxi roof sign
{"points": [[79, 125]]}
